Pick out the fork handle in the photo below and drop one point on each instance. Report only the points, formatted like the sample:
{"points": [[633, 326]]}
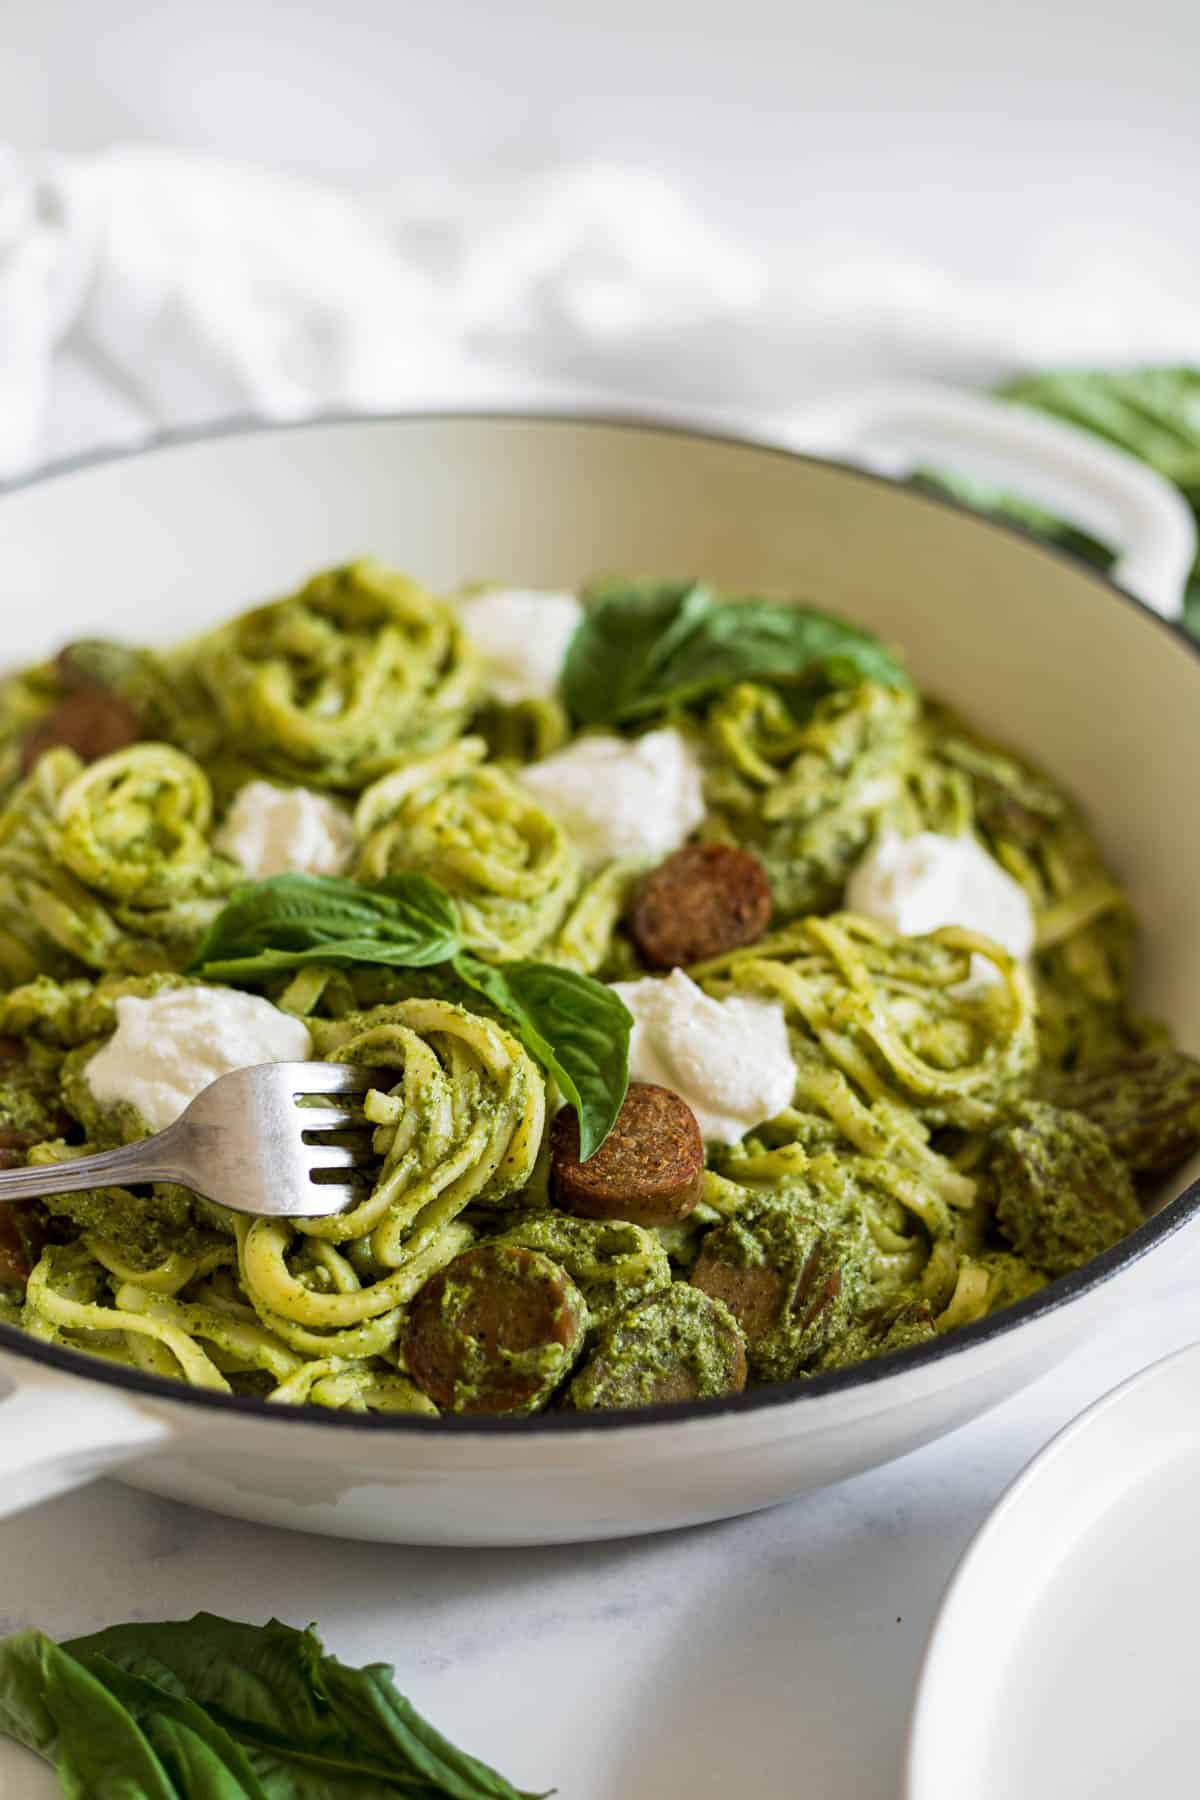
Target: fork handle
{"points": [[157, 1158]]}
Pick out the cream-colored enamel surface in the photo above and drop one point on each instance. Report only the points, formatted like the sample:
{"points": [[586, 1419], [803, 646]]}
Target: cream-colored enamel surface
{"points": [[1032, 647], [1023, 640]]}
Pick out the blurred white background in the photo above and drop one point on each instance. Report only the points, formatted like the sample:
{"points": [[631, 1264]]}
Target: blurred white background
{"points": [[780, 195], [956, 129], [952, 128]]}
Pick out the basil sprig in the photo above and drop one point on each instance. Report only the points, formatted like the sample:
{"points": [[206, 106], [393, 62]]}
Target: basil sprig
{"points": [[404, 921], [214, 1708], [644, 648], [576, 1028]]}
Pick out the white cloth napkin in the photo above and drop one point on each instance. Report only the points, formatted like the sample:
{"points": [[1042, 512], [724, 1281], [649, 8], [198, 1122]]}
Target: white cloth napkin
{"points": [[148, 289]]}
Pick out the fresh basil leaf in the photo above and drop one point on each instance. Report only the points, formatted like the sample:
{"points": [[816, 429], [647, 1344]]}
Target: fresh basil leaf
{"points": [[368, 1703], [574, 1026], [598, 683], [203, 1761], [309, 1727], [1154, 413], [281, 923], [643, 649], [53, 1705]]}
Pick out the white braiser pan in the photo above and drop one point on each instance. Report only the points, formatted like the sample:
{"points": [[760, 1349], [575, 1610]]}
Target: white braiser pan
{"points": [[1033, 646]]}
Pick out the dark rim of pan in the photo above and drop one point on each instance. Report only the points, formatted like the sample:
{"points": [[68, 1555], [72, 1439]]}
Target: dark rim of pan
{"points": [[806, 1390]]}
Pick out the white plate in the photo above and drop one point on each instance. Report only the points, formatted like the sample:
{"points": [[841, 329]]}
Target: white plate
{"points": [[1063, 1661]]}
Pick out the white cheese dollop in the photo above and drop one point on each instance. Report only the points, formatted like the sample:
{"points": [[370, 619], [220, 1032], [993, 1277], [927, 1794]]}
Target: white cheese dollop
{"points": [[522, 636], [620, 797], [729, 1059], [917, 884], [286, 831], [167, 1048]]}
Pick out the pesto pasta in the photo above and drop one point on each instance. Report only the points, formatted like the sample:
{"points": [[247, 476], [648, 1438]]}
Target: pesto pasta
{"points": [[848, 1128], [474, 829], [338, 683], [108, 866]]}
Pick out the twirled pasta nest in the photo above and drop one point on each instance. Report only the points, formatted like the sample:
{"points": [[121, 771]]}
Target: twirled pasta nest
{"points": [[108, 866], [315, 1305], [338, 683], [804, 785], [478, 832]]}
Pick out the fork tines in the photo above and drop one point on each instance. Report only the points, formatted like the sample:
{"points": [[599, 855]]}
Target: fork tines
{"points": [[338, 1078]]}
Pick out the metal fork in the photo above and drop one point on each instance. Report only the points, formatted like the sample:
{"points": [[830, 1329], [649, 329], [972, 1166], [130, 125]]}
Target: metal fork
{"points": [[283, 1140]]}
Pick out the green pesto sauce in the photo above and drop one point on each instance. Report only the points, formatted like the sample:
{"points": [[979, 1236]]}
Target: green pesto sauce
{"points": [[877, 1331], [31, 1106], [823, 1271], [679, 1344], [144, 1226], [613, 1264], [1063, 1197], [806, 782]]}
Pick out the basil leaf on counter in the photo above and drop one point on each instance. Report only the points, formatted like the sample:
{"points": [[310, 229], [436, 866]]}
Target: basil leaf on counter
{"points": [[210, 1709], [642, 649], [577, 1028], [51, 1703], [406, 921]]}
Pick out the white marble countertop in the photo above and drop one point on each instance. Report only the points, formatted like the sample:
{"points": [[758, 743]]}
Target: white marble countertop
{"points": [[770, 1657]]}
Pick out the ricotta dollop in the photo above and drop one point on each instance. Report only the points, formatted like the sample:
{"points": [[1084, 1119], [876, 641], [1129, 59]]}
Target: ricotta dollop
{"points": [[917, 884], [522, 635], [620, 797], [286, 831], [729, 1059], [169, 1047]]}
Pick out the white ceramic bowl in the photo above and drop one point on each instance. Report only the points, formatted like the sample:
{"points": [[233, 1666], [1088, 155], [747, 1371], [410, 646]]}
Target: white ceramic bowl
{"points": [[1032, 645]]}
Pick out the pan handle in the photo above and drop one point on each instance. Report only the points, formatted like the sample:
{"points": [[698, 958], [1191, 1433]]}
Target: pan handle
{"points": [[60, 1432], [1070, 472]]}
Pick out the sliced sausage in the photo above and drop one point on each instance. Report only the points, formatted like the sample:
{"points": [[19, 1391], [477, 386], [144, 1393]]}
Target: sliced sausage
{"points": [[495, 1331], [788, 1283], [703, 901], [92, 721], [649, 1170], [22, 1233], [678, 1345], [95, 663], [613, 1264]]}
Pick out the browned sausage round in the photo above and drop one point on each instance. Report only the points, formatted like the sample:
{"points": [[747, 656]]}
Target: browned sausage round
{"points": [[790, 1285], [755, 1293], [95, 663], [92, 721], [677, 1345], [649, 1170], [22, 1234], [495, 1331], [703, 901]]}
